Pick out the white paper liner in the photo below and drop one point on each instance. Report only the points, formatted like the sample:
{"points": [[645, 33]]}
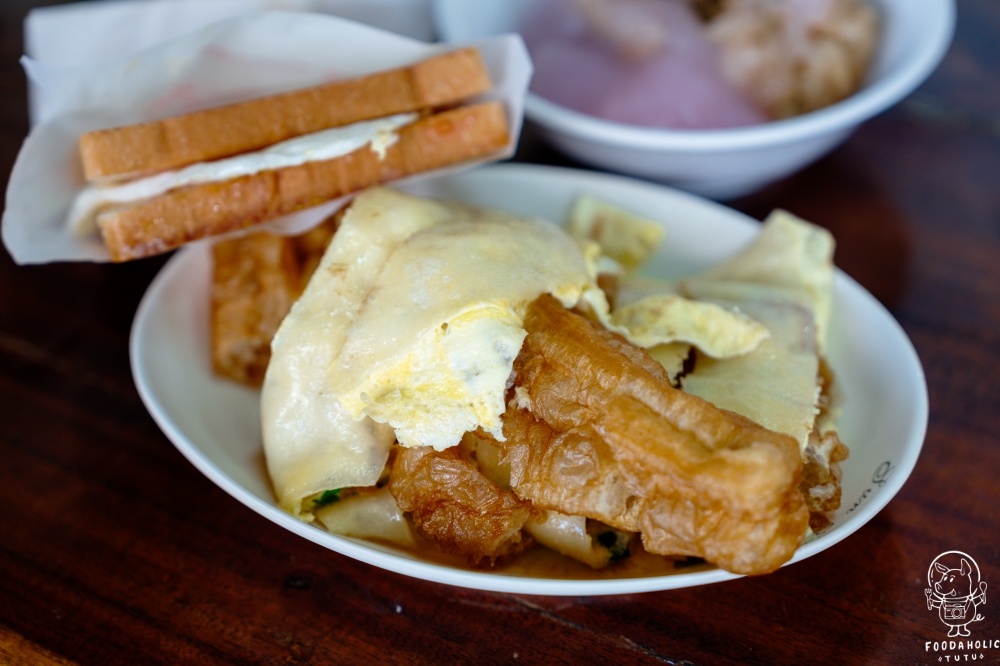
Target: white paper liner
{"points": [[114, 28], [235, 59]]}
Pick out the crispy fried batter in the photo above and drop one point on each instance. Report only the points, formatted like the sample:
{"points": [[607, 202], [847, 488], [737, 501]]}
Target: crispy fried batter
{"points": [[821, 475], [456, 507], [608, 437], [255, 280]]}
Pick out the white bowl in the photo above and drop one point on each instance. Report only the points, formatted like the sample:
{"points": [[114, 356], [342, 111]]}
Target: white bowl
{"points": [[725, 163], [215, 423]]}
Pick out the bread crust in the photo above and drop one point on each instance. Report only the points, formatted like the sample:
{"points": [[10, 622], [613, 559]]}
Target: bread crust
{"points": [[145, 148], [189, 213]]}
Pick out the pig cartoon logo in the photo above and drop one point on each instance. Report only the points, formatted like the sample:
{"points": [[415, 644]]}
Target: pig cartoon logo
{"points": [[955, 590]]}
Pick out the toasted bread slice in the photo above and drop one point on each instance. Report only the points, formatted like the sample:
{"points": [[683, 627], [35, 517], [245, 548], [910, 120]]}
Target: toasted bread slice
{"points": [[167, 221], [133, 150]]}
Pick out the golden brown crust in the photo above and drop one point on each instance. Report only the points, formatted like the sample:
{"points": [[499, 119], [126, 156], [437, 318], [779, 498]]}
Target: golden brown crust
{"points": [[455, 506], [608, 437], [238, 128], [165, 222], [255, 280], [821, 476]]}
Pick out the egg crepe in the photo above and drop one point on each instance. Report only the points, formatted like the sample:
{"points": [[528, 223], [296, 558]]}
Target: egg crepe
{"points": [[407, 330]]}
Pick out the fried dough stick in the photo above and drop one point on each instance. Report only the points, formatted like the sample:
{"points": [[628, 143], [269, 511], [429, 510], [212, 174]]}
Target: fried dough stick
{"points": [[596, 429], [255, 280], [454, 506]]}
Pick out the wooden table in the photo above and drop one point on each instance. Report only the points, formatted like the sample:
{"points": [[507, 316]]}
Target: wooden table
{"points": [[115, 550]]}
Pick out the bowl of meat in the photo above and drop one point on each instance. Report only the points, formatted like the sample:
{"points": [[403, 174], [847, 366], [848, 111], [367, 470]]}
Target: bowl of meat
{"points": [[717, 97]]}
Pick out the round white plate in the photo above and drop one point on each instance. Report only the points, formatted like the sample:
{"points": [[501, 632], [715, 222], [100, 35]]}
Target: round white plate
{"points": [[215, 423]]}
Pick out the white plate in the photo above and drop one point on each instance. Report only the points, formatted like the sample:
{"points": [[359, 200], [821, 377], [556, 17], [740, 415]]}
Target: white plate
{"points": [[215, 423]]}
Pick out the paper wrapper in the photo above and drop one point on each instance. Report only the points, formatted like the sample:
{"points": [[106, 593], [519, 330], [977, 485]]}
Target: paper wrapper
{"points": [[115, 28], [232, 60]]}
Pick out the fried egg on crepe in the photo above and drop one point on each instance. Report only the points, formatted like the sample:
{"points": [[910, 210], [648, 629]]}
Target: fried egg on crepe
{"points": [[407, 330]]}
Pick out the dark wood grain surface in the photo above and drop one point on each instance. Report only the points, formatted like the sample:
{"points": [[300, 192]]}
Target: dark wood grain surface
{"points": [[115, 550]]}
